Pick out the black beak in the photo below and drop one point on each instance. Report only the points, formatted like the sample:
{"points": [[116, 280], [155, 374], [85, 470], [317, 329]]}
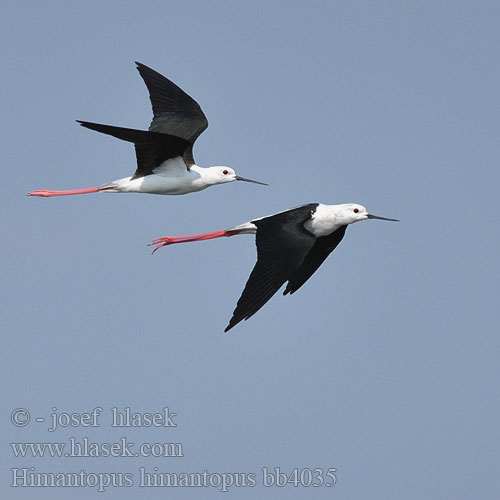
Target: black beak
{"points": [[238, 178], [381, 218]]}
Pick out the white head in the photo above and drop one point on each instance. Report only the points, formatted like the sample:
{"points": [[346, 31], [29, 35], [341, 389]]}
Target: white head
{"points": [[349, 213], [221, 175]]}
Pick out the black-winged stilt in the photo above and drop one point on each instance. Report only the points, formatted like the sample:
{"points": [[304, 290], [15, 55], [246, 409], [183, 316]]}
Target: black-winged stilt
{"points": [[165, 163], [291, 245]]}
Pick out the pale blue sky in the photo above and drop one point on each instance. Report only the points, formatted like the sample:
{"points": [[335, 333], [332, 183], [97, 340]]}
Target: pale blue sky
{"points": [[383, 366]]}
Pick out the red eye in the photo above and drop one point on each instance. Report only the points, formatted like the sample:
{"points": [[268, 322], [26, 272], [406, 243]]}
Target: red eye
{"points": [[356, 210], [225, 172]]}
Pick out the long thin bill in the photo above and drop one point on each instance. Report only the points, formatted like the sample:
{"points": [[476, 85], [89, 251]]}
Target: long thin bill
{"points": [[381, 218], [238, 178]]}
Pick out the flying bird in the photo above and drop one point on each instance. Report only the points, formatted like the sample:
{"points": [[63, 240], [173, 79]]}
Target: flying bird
{"points": [[165, 162], [291, 245]]}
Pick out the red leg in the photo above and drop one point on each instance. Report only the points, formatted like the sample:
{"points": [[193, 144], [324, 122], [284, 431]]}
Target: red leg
{"points": [[45, 193], [170, 240]]}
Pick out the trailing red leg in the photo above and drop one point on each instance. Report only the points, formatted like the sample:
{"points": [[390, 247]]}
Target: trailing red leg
{"points": [[170, 240], [46, 193]]}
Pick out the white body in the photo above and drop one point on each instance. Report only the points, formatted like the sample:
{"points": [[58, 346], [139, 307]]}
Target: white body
{"points": [[172, 177]]}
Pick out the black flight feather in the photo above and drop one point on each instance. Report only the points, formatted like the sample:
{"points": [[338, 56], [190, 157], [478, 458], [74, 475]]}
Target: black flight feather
{"points": [[151, 148], [282, 244]]}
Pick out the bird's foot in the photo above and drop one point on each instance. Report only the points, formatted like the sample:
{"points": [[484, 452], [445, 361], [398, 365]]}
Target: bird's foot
{"points": [[162, 242], [41, 192]]}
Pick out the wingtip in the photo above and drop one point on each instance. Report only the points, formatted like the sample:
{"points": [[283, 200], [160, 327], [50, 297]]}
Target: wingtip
{"points": [[233, 322]]}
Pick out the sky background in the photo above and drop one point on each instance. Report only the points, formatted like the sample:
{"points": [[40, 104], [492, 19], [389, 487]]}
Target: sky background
{"points": [[383, 366]]}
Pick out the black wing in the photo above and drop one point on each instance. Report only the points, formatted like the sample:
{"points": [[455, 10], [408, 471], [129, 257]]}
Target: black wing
{"points": [[174, 111], [282, 244], [151, 148], [323, 247]]}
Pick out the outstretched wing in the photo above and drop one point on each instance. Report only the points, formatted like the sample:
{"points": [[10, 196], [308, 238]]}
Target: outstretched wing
{"points": [[282, 244], [152, 149], [174, 111], [323, 247]]}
